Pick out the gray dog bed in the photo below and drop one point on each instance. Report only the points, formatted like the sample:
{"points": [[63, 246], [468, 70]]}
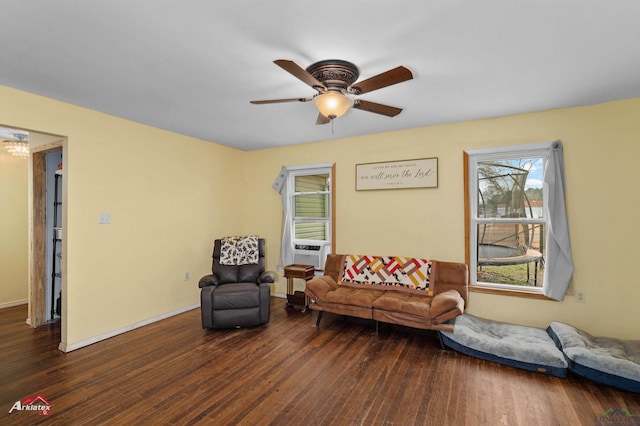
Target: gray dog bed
{"points": [[514, 345], [604, 360]]}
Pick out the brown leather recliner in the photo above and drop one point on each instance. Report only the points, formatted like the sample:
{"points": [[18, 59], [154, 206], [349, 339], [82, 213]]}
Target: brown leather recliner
{"points": [[235, 295]]}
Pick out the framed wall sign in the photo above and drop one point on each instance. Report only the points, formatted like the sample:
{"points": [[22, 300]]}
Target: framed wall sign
{"points": [[419, 173]]}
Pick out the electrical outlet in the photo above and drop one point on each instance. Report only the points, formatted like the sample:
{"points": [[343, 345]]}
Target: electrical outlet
{"points": [[581, 296], [187, 275]]}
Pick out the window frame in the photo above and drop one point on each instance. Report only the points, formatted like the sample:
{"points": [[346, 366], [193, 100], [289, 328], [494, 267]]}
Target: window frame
{"points": [[315, 169], [326, 220], [472, 221]]}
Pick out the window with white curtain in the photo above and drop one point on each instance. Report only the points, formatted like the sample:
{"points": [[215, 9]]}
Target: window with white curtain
{"points": [[308, 211], [512, 208]]}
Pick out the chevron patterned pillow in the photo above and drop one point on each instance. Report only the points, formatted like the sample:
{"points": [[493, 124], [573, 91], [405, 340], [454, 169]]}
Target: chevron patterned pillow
{"points": [[390, 272]]}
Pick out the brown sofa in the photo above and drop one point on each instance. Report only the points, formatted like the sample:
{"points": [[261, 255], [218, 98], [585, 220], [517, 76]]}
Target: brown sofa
{"points": [[446, 299]]}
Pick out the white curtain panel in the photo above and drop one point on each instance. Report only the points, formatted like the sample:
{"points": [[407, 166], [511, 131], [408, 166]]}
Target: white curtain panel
{"points": [[286, 246], [558, 260]]}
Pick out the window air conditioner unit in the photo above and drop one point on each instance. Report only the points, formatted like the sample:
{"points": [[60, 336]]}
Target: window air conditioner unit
{"points": [[311, 252]]}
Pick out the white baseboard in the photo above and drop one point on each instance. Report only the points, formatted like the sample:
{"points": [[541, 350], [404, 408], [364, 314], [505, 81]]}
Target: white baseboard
{"points": [[14, 303], [280, 295], [86, 342]]}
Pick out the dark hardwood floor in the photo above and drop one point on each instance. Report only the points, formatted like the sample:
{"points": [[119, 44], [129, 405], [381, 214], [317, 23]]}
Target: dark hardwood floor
{"points": [[287, 372]]}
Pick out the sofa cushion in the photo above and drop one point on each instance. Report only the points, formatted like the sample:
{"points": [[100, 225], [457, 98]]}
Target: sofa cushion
{"points": [[318, 287], [350, 296], [446, 302], [386, 273], [404, 303]]}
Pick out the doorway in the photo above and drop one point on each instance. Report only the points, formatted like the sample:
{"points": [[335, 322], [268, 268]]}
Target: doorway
{"points": [[47, 250], [41, 146], [54, 177]]}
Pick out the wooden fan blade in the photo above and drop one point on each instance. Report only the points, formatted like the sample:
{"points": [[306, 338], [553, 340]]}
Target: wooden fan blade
{"points": [[277, 101], [387, 110], [394, 76], [299, 72], [322, 119]]}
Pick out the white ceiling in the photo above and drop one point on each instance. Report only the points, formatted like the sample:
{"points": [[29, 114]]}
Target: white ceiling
{"points": [[193, 66], [13, 134]]}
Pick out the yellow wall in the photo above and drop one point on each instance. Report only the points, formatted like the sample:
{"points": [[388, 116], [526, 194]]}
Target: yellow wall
{"points": [[168, 196], [13, 229], [600, 146]]}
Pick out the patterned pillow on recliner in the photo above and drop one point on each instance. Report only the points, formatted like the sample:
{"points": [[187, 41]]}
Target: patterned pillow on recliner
{"points": [[239, 250]]}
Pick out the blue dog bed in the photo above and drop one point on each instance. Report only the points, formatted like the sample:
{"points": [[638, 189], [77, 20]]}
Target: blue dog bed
{"points": [[522, 347], [604, 360]]}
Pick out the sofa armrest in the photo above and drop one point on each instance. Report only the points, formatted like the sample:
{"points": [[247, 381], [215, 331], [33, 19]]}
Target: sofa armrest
{"points": [[208, 280], [450, 276], [267, 277], [445, 306], [317, 287]]}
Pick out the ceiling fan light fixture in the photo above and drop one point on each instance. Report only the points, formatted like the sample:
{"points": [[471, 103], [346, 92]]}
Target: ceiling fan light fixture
{"points": [[332, 104], [335, 80]]}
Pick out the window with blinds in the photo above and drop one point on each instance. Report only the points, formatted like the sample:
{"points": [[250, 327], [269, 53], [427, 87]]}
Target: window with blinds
{"points": [[312, 207]]}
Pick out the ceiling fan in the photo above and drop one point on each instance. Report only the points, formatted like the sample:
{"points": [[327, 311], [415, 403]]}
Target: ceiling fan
{"points": [[334, 80]]}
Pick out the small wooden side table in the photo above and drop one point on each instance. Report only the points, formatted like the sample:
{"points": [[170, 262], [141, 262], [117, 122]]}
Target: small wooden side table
{"points": [[305, 272]]}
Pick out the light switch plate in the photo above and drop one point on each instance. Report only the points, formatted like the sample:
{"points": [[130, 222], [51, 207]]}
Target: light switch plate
{"points": [[104, 218]]}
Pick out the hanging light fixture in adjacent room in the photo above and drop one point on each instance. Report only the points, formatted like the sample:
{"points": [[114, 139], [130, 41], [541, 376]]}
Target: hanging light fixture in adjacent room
{"points": [[18, 146]]}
